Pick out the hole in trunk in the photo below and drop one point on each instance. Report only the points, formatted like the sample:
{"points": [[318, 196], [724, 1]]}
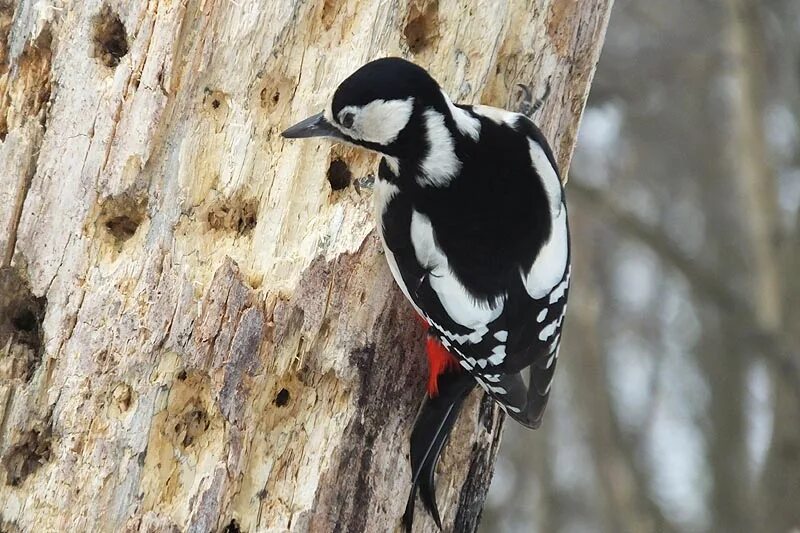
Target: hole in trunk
{"points": [[110, 39]]}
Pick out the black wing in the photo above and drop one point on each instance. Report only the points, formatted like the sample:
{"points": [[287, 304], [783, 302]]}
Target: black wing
{"points": [[513, 356]]}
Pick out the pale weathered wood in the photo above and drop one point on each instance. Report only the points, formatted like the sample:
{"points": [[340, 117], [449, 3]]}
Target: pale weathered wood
{"points": [[196, 327]]}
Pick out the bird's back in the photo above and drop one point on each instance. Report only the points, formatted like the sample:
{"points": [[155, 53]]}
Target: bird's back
{"points": [[463, 254]]}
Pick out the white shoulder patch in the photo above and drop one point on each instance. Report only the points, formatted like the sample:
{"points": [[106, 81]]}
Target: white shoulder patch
{"points": [[466, 123], [548, 268], [548, 175], [440, 164], [459, 304], [495, 114]]}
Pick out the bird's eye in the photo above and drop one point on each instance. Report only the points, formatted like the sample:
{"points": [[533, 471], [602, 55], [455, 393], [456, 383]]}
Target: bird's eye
{"points": [[347, 120]]}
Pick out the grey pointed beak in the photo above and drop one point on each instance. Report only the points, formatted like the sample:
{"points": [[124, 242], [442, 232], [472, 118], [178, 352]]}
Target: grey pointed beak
{"points": [[313, 126]]}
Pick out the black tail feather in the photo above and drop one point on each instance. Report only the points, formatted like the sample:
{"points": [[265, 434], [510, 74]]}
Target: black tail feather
{"points": [[430, 433]]}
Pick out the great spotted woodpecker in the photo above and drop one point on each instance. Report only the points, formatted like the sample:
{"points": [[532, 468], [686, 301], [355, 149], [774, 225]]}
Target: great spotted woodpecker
{"points": [[473, 219]]}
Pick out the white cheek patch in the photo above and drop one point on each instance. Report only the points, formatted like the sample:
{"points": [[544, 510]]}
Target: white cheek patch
{"points": [[380, 121]]}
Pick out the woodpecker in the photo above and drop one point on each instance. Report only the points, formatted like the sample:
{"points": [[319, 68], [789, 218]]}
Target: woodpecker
{"points": [[472, 215]]}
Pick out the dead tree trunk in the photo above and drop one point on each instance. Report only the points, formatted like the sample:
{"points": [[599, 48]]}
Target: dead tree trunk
{"points": [[197, 327]]}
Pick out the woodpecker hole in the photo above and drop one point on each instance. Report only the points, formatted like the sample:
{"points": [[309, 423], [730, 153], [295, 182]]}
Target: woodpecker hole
{"points": [[27, 88], [282, 398], [421, 24], [191, 425], [6, 18], [25, 321], [269, 98], [122, 396], [120, 218], [122, 227], [330, 8], [339, 175], [232, 527], [215, 101], [21, 333], [110, 39], [27, 456], [272, 93], [233, 214]]}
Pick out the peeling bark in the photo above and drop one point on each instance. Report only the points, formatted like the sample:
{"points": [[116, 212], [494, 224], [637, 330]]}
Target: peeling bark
{"points": [[199, 332]]}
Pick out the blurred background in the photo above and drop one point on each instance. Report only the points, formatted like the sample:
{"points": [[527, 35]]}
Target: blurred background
{"points": [[676, 406]]}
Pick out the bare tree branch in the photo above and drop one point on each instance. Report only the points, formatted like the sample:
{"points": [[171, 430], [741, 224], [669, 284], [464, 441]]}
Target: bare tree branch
{"points": [[773, 345]]}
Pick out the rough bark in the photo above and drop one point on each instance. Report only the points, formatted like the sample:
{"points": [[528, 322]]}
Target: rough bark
{"points": [[198, 331]]}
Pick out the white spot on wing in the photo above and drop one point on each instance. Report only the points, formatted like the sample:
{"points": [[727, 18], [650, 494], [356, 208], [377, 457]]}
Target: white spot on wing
{"points": [[440, 164], [542, 315], [460, 339], [561, 288], [554, 344], [498, 355], [459, 304], [548, 330], [466, 123], [501, 335], [477, 336], [496, 390]]}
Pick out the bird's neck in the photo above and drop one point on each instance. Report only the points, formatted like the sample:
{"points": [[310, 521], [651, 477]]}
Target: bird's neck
{"points": [[426, 156]]}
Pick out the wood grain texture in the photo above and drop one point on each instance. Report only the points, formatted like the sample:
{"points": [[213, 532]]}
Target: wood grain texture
{"points": [[198, 331]]}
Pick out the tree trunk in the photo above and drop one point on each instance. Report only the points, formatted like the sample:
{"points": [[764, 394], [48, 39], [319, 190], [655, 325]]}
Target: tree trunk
{"points": [[781, 478], [198, 330]]}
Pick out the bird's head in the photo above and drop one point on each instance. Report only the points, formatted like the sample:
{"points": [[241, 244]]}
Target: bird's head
{"points": [[379, 107]]}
